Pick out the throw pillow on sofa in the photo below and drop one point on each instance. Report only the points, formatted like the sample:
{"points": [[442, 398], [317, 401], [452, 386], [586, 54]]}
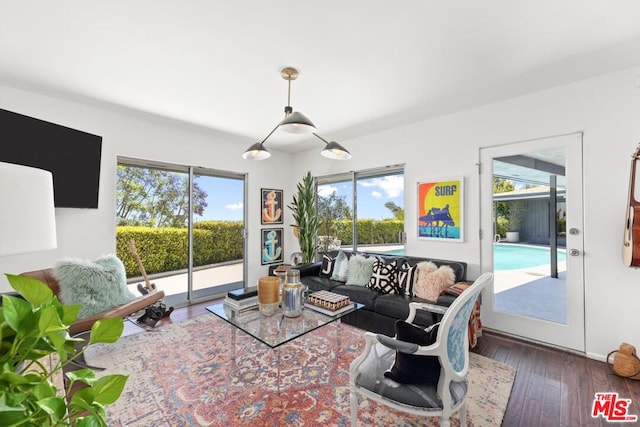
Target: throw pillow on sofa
{"points": [[411, 368], [340, 267], [360, 270], [95, 285], [326, 269], [431, 285], [407, 277], [384, 277]]}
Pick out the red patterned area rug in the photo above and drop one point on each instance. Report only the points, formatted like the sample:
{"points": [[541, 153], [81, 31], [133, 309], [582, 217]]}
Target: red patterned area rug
{"points": [[205, 372]]}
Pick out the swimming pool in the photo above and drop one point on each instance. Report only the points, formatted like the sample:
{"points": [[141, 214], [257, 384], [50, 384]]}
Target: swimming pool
{"points": [[514, 257]]}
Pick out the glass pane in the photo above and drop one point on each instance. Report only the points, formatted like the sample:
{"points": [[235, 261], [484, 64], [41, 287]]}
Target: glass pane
{"points": [[152, 211], [529, 256], [218, 247], [380, 213], [152, 215], [335, 214]]}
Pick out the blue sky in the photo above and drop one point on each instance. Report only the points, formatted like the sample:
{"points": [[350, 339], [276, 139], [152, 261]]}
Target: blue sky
{"points": [[373, 193], [225, 196]]}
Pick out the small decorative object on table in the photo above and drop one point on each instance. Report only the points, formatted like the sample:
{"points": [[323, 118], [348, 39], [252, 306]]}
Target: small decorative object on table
{"points": [[281, 273], [268, 298], [293, 294], [329, 303], [328, 300], [296, 258], [242, 299]]}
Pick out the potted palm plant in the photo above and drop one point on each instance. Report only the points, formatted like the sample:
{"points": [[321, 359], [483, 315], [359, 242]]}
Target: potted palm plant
{"points": [[303, 208], [35, 347], [514, 217]]}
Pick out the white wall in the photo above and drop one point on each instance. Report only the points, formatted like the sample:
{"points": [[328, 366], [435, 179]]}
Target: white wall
{"points": [[606, 109], [89, 233]]}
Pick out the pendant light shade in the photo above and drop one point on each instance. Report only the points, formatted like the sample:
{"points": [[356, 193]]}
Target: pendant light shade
{"points": [[256, 152], [297, 123], [335, 151]]}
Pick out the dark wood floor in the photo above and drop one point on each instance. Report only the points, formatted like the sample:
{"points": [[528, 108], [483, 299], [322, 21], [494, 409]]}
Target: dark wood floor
{"points": [[552, 387]]}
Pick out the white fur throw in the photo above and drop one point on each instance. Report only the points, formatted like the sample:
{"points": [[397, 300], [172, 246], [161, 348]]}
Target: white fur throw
{"points": [[431, 283], [96, 286]]}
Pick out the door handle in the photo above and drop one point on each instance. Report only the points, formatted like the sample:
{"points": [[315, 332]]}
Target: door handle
{"points": [[574, 252]]}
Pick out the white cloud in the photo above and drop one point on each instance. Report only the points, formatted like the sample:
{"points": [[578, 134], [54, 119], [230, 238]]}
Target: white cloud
{"points": [[326, 190], [393, 186], [376, 194], [234, 206]]}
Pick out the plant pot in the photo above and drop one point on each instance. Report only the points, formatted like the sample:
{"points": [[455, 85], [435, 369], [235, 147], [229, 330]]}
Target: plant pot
{"points": [[513, 236]]}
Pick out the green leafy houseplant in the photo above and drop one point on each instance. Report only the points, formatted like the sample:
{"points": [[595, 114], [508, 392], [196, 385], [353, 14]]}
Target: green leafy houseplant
{"points": [[34, 328], [304, 215], [515, 215]]}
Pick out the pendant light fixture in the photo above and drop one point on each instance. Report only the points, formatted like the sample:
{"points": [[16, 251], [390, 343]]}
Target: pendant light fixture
{"points": [[298, 123]]}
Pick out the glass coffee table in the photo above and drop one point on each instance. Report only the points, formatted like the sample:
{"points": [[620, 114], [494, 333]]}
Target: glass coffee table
{"points": [[276, 330]]}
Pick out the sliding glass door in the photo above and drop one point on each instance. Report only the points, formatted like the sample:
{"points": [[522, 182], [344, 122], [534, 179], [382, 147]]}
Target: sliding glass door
{"points": [[362, 210], [182, 227]]}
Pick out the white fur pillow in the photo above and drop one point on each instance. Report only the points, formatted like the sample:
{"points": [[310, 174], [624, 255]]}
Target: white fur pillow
{"points": [[429, 286], [95, 285]]}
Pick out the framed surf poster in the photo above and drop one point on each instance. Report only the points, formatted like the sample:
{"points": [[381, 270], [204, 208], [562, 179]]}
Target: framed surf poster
{"points": [[440, 210], [271, 206], [272, 246]]}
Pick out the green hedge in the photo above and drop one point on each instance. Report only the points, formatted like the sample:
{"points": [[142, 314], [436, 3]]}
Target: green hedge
{"points": [[370, 232], [165, 249]]}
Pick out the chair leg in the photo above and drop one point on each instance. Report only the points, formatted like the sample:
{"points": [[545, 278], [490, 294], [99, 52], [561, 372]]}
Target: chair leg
{"points": [[463, 414], [354, 409]]}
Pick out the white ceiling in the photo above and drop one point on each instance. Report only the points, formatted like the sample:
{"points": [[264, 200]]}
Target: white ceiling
{"points": [[364, 66]]}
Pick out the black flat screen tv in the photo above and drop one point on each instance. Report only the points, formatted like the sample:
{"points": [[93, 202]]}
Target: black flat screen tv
{"points": [[72, 156]]}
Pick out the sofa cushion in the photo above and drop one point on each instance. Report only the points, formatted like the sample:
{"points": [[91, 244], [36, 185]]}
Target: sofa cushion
{"points": [[360, 294], [384, 277], [411, 368], [316, 283], [340, 267], [360, 270], [397, 307], [96, 286]]}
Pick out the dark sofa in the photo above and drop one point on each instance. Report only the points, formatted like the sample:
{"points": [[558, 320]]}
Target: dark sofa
{"points": [[380, 311]]}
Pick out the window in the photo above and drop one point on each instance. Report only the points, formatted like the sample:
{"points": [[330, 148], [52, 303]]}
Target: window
{"points": [[366, 204], [186, 224]]}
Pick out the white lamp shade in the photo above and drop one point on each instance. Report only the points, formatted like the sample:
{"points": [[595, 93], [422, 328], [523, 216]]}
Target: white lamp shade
{"points": [[27, 213]]}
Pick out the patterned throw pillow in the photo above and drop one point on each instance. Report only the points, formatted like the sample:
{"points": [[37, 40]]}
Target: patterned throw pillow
{"points": [[384, 277], [360, 269], [407, 277], [327, 266], [340, 268]]}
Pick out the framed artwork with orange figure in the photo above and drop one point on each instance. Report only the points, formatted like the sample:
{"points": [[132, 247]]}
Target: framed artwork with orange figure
{"points": [[440, 210], [271, 207]]}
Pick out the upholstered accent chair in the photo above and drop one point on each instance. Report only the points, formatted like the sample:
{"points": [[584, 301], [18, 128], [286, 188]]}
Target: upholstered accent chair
{"points": [[451, 346]]}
